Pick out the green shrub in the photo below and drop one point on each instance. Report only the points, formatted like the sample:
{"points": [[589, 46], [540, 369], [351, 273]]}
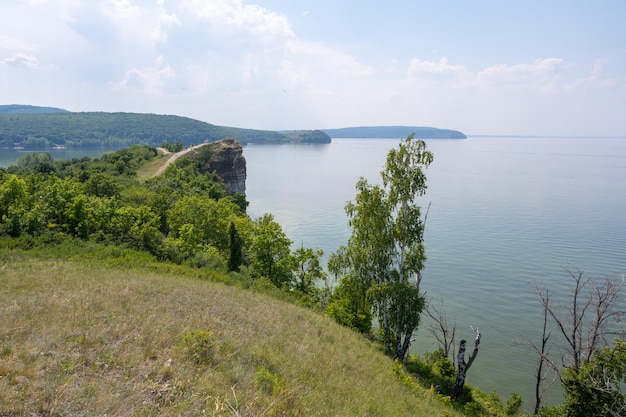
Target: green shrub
{"points": [[513, 404], [444, 367], [198, 346], [267, 381]]}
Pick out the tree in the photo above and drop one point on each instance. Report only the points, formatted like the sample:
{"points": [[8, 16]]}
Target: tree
{"points": [[439, 328], [597, 388], [543, 350], [587, 320], [235, 242], [463, 366], [210, 218], [349, 305], [385, 252], [270, 253], [102, 184], [590, 371], [308, 269]]}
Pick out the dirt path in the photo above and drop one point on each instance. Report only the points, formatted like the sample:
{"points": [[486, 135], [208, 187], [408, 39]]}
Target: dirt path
{"points": [[174, 157]]}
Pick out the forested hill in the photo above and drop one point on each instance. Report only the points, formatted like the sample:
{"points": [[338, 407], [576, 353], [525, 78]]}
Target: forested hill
{"points": [[33, 127], [36, 128], [394, 132], [18, 108]]}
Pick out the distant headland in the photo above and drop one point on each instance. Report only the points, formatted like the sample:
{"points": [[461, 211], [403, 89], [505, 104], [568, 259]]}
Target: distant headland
{"points": [[36, 127], [394, 132]]}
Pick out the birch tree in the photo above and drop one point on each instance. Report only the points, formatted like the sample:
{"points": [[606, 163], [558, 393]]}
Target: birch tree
{"points": [[463, 366], [385, 251]]}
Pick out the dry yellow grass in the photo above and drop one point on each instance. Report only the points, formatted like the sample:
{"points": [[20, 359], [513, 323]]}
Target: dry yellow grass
{"points": [[78, 340], [150, 169]]}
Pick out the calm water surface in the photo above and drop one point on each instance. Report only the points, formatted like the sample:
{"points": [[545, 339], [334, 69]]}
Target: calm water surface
{"points": [[504, 213]]}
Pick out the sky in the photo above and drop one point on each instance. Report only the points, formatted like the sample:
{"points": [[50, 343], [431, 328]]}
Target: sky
{"points": [[484, 67]]}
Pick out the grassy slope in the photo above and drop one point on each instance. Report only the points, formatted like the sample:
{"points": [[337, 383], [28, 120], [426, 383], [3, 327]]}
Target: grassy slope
{"points": [[150, 169], [77, 339]]}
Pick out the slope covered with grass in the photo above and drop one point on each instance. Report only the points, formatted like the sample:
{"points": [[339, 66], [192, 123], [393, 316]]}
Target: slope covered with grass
{"points": [[82, 338]]}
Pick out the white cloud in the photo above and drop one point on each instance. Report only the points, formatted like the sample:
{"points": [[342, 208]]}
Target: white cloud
{"points": [[597, 79], [234, 15], [542, 75], [228, 62], [417, 67], [22, 61], [149, 80]]}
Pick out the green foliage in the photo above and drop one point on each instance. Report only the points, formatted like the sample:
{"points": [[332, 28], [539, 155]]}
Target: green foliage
{"points": [[36, 162], [184, 179], [308, 136], [102, 184], [198, 346], [349, 306], [235, 243], [598, 387], [553, 411], [101, 199], [444, 367], [434, 370], [270, 253], [256, 136], [308, 269], [198, 220], [91, 129], [173, 147], [513, 404], [266, 381], [385, 252]]}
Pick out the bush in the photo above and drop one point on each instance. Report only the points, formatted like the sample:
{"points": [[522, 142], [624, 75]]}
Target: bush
{"points": [[198, 346], [513, 404], [266, 381]]}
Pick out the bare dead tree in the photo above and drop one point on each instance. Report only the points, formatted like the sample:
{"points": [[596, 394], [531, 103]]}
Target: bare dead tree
{"points": [[585, 321], [543, 351], [463, 366], [440, 329]]}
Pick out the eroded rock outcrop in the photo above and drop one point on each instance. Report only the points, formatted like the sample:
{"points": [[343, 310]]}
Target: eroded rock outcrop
{"points": [[228, 162]]}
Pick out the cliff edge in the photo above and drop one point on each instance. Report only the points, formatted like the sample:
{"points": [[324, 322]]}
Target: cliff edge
{"points": [[223, 157], [228, 162]]}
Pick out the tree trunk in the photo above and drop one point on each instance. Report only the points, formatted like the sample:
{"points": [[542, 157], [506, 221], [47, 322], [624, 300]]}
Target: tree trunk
{"points": [[464, 366]]}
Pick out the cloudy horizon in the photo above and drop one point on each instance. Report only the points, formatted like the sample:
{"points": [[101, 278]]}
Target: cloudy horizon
{"points": [[534, 68]]}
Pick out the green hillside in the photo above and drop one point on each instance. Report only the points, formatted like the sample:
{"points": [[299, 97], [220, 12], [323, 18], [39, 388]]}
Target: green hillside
{"points": [[80, 339], [40, 127], [19, 108], [40, 130]]}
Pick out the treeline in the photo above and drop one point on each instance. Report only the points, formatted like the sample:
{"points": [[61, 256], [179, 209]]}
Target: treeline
{"points": [[98, 129], [183, 216]]}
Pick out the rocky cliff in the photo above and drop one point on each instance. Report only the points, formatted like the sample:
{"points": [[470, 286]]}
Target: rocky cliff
{"points": [[228, 162]]}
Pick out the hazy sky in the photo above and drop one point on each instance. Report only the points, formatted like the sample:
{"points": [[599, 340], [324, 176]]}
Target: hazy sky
{"points": [[536, 67]]}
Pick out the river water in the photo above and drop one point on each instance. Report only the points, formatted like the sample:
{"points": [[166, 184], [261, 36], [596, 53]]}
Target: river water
{"points": [[504, 213]]}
